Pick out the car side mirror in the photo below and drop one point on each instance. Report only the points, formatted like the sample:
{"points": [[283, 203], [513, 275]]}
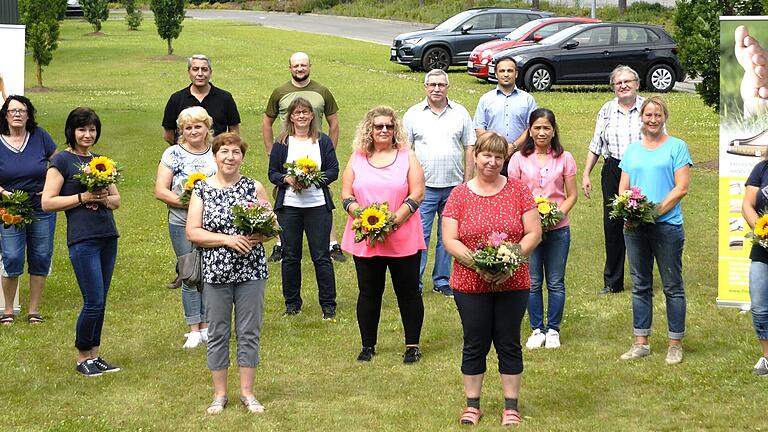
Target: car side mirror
{"points": [[466, 28], [571, 45], [537, 37]]}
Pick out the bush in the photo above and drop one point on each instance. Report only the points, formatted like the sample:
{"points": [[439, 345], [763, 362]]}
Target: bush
{"points": [[698, 41], [95, 12], [133, 16]]}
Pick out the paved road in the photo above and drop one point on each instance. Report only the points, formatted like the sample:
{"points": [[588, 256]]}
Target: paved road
{"points": [[365, 29]]}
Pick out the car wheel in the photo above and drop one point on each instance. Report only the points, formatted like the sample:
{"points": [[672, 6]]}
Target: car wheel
{"points": [[660, 78], [538, 78], [436, 58]]}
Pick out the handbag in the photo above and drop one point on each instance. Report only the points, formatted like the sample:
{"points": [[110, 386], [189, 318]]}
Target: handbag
{"points": [[191, 268]]}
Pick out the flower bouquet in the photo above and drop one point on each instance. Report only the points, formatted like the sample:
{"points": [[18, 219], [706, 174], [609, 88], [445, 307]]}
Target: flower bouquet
{"points": [[498, 255], [549, 213], [373, 223], [99, 173], [306, 171], [189, 184], [759, 235], [256, 218], [16, 211], [634, 207]]}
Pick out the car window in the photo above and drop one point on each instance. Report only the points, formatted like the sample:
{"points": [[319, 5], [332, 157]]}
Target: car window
{"points": [[652, 36], [550, 29], [631, 35], [452, 22], [481, 22], [594, 37], [513, 20]]}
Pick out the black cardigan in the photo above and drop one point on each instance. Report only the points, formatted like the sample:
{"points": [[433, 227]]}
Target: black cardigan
{"points": [[329, 165]]}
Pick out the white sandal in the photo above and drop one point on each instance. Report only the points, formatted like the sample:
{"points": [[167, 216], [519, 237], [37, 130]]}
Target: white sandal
{"points": [[217, 406], [251, 404]]}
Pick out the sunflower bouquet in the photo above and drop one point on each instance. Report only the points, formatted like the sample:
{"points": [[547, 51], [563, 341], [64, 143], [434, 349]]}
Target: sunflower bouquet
{"points": [[306, 171], [550, 214], [99, 173], [498, 255], [16, 211], [373, 223], [759, 235], [256, 218], [634, 207], [189, 184]]}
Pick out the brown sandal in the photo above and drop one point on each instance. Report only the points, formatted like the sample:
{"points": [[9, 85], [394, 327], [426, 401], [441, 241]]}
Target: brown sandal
{"points": [[510, 417], [7, 319], [470, 416]]}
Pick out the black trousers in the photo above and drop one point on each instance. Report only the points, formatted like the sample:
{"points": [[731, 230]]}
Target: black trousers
{"points": [[371, 275], [613, 229], [492, 317]]}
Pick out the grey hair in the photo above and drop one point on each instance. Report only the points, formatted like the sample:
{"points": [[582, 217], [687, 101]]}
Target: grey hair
{"points": [[199, 57], [621, 69], [436, 72]]}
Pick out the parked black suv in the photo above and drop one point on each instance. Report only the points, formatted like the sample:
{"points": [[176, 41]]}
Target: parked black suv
{"points": [[451, 42]]}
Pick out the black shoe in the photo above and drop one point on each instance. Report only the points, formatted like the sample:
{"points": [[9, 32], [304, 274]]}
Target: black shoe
{"points": [[328, 314], [174, 284], [366, 354], [289, 311], [88, 368], [608, 290], [337, 254], [446, 291], [412, 355], [104, 366], [277, 254]]}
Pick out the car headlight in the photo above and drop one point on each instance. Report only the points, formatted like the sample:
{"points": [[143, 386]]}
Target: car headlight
{"points": [[486, 54], [412, 41]]}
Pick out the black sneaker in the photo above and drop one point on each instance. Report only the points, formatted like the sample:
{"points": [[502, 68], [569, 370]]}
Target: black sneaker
{"points": [[412, 355], [328, 314], [289, 311], [104, 366], [366, 354], [277, 254], [444, 290], [88, 368], [337, 254]]}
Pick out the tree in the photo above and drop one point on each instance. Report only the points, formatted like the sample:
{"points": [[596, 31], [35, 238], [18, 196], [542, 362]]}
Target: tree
{"points": [[133, 16], [698, 42], [42, 32], [95, 12], [622, 7], [168, 17]]}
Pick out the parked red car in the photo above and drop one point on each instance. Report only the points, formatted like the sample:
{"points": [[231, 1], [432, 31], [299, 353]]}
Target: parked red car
{"points": [[526, 34]]}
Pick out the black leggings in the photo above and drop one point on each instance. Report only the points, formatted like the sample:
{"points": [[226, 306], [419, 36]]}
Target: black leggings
{"points": [[492, 317], [371, 274]]}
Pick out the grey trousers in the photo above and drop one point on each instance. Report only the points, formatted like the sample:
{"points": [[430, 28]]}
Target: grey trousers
{"points": [[248, 299]]}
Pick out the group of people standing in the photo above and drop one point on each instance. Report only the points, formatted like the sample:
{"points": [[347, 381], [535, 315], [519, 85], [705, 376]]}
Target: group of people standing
{"points": [[476, 178]]}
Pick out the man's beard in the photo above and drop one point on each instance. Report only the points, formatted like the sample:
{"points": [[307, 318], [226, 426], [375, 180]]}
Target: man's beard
{"points": [[302, 79]]}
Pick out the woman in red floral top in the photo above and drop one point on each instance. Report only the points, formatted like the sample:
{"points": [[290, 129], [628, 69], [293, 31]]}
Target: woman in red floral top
{"points": [[491, 306]]}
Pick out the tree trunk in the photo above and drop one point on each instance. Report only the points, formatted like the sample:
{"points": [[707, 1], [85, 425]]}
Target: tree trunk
{"points": [[170, 48], [421, 3], [622, 7], [39, 74], [535, 4]]}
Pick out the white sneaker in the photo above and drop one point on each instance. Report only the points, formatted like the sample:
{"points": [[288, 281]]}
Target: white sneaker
{"points": [[552, 339], [204, 335], [193, 339], [535, 340]]}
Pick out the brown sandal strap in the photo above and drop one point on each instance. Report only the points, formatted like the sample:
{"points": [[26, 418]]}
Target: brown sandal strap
{"points": [[470, 416]]}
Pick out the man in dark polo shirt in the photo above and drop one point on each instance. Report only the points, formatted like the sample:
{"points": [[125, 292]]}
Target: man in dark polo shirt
{"points": [[219, 103]]}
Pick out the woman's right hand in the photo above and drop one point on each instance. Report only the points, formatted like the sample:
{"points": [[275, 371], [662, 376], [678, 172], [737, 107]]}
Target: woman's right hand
{"points": [[494, 278], [240, 244], [293, 182]]}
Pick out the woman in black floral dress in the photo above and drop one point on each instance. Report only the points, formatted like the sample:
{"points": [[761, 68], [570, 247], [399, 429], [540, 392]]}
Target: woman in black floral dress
{"points": [[234, 269]]}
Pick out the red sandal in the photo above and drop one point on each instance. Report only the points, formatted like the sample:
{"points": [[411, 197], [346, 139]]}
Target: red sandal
{"points": [[510, 417], [470, 416]]}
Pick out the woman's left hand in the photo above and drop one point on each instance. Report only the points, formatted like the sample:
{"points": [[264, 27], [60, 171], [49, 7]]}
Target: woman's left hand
{"points": [[258, 238], [494, 278]]}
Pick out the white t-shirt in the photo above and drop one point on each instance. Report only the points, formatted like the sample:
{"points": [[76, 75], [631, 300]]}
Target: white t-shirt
{"points": [[311, 196]]}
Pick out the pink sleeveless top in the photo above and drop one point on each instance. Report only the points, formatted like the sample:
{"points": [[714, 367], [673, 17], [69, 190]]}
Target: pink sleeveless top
{"points": [[387, 184]]}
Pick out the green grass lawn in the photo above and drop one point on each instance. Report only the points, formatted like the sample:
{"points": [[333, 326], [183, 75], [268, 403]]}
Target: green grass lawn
{"points": [[308, 378]]}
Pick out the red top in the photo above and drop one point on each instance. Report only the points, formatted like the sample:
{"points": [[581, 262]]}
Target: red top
{"points": [[478, 217]]}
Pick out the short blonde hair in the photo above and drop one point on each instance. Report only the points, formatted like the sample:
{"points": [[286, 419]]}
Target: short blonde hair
{"points": [[229, 138], [363, 142], [658, 101], [492, 142], [195, 114]]}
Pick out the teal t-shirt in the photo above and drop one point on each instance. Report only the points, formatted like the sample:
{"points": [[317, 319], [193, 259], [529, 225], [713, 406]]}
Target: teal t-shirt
{"points": [[654, 172]]}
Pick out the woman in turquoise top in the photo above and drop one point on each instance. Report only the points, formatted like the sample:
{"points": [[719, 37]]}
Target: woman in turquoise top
{"points": [[658, 165]]}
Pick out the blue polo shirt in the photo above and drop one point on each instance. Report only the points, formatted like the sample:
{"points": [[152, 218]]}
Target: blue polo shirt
{"points": [[505, 114], [24, 169]]}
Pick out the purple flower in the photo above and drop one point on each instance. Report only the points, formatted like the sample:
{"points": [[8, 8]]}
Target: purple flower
{"points": [[496, 239], [636, 193]]}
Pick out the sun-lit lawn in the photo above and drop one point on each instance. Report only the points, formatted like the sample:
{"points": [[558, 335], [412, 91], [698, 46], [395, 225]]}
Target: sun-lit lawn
{"points": [[308, 378]]}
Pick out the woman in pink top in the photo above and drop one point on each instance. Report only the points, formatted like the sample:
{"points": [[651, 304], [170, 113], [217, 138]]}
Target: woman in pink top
{"points": [[550, 172], [383, 169]]}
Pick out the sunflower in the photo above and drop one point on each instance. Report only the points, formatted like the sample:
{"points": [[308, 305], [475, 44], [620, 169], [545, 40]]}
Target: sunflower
{"points": [[373, 219], [194, 178], [761, 226], [544, 208], [306, 164], [102, 166]]}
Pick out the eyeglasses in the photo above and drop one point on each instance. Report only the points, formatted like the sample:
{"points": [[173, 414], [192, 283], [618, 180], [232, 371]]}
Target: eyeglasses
{"points": [[436, 85], [380, 127], [17, 111], [621, 83], [301, 113]]}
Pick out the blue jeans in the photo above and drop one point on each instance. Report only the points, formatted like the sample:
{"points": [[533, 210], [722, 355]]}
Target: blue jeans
{"points": [[664, 243], [316, 222], [191, 299], [36, 240], [549, 259], [758, 295], [434, 202], [93, 262]]}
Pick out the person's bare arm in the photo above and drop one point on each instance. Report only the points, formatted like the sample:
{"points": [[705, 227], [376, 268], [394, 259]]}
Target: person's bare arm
{"points": [[333, 128], [266, 132], [469, 163], [586, 182], [168, 135]]}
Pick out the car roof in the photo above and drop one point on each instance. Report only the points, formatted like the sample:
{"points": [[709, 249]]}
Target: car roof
{"points": [[504, 10]]}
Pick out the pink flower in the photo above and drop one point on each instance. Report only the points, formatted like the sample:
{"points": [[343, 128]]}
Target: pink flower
{"points": [[632, 203], [496, 239], [636, 193]]}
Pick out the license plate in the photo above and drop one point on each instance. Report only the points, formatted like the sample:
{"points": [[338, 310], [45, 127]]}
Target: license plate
{"points": [[470, 65], [393, 52], [491, 70]]}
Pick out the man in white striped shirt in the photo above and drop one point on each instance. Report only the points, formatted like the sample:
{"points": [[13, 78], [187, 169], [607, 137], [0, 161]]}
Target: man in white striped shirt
{"points": [[442, 135], [618, 125]]}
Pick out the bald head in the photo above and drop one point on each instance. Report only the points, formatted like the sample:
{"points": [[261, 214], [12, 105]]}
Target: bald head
{"points": [[299, 66]]}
